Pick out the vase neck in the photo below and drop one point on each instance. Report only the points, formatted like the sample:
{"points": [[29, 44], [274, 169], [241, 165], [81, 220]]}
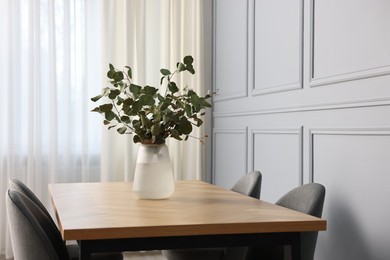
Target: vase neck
{"points": [[150, 142]]}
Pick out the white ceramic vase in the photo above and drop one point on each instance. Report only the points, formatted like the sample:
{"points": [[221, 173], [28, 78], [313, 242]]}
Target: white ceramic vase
{"points": [[153, 177]]}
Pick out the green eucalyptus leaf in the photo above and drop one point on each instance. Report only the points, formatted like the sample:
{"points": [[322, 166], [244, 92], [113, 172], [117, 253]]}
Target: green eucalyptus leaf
{"points": [[96, 109], [160, 98], [109, 115], [119, 100], [148, 90], [136, 123], [157, 115], [105, 122], [180, 104], [188, 110], [205, 103], [122, 130], [129, 72], [105, 108], [188, 60], [136, 139], [180, 67], [146, 100], [128, 101], [135, 89], [125, 119], [199, 122], [118, 76], [166, 118], [136, 107], [184, 126], [106, 91], [191, 69], [111, 73], [175, 134], [113, 94], [155, 129], [145, 121], [165, 72], [172, 87], [96, 98]]}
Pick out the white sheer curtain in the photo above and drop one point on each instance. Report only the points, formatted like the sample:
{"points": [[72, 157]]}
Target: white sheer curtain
{"points": [[54, 56]]}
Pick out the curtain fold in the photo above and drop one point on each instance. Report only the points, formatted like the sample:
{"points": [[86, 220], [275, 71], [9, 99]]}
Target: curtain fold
{"points": [[54, 55]]}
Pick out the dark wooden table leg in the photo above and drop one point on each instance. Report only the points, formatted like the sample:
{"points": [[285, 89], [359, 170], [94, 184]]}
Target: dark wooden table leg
{"points": [[296, 247], [84, 251]]}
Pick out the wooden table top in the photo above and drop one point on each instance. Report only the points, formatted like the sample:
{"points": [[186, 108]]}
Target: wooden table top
{"points": [[108, 210]]}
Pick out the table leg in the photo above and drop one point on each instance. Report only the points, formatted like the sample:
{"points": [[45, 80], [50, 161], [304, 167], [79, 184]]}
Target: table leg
{"points": [[296, 247], [84, 251]]}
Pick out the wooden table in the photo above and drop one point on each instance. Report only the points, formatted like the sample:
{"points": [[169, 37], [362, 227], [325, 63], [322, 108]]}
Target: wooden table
{"points": [[107, 216]]}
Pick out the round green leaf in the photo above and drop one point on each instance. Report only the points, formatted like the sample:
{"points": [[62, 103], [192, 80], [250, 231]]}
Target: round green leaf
{"points": [[188, 60], [165, 72]]}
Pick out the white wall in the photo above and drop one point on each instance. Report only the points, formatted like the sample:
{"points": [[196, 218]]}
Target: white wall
{"points": [[304, 95]]}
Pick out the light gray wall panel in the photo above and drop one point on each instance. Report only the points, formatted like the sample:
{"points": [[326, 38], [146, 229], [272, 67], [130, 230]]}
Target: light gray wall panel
{"points": [[231, 48], [278, 41], [351, 38], [277, 153], [352, 164], [230, 156]]}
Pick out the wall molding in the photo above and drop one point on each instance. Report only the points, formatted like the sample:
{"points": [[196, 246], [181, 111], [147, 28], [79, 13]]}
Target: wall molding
{"points": [[281, 87], [352, 131], [339, 78], [228, 130], [369, 102], [277, 88], [253, 131], [244, 92], [351, 76]]}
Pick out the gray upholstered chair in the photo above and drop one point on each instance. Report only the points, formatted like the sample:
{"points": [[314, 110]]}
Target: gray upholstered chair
{"points": [[309, 199], [29, 219], [15, 184], [250, 185]]}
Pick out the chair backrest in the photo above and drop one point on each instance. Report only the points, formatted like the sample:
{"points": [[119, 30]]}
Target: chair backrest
{"points": [[33, 234], [309, 199], [249, 184], [15, 184]]}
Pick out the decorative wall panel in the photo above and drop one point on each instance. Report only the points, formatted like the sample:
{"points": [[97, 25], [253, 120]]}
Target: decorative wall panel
{"points": [[230, 49], [278, 45], [353, 166], [230, 156], [277, 154], [353, 44]]}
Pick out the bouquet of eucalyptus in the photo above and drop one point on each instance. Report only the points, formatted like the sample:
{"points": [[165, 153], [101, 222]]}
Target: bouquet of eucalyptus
{"points": [[148, 114]]}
